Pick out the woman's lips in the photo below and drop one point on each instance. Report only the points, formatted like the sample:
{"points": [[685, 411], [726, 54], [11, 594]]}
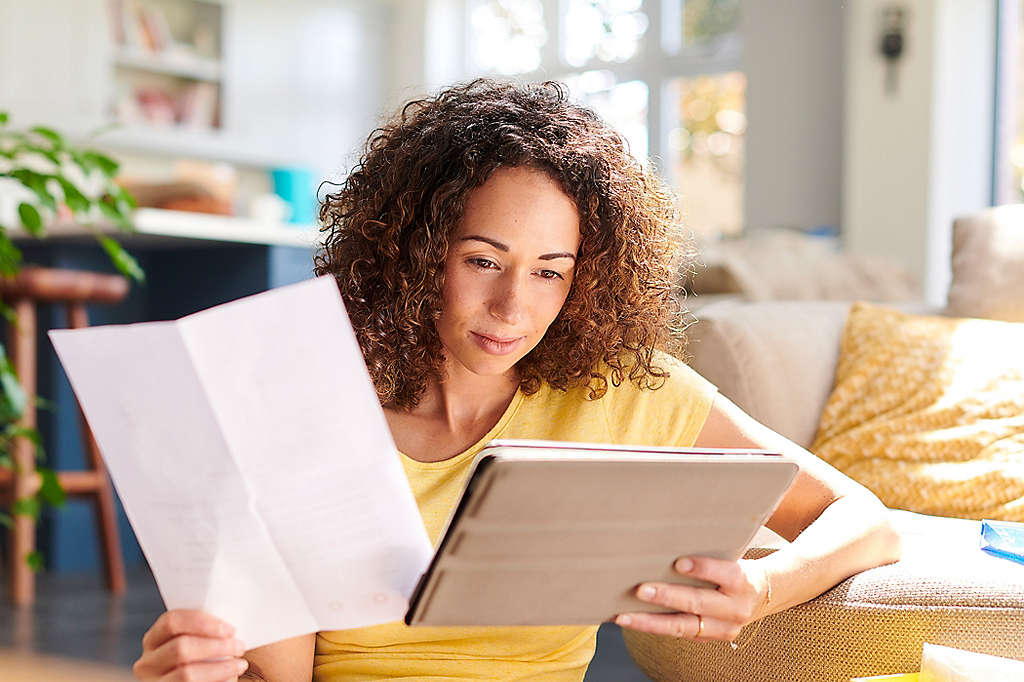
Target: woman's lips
{"points": [[497, 345]]}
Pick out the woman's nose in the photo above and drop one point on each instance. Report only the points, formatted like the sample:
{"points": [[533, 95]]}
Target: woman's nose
{"points": [[507, 302]]}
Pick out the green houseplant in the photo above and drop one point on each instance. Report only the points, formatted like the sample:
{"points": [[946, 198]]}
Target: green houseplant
{"points": [[47, 175]]}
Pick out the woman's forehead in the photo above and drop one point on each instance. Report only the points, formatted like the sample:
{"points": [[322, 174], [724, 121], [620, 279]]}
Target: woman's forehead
{"points": [[520, 200]]}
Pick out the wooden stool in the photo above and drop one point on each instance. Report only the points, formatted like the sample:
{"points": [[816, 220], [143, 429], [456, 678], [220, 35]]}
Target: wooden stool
{"points": [[74, 288]]}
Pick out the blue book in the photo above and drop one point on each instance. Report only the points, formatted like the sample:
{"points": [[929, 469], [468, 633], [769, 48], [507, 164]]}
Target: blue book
{"points": [[1003, 539]]}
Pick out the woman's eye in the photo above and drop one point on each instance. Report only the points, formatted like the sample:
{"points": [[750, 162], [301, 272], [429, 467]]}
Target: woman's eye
{"points": [[551, 274], [483, 263]]}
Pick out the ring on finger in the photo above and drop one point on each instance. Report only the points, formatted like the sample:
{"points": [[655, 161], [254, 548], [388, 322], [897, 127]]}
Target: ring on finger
{"points": [[700, 625]]}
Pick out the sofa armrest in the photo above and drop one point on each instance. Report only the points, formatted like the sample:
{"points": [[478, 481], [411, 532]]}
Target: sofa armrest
{"points": [[775, 359]]}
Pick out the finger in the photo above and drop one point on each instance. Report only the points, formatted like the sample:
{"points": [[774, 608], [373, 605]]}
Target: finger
{"points": [[726, 574], [186, 649], [215, 671], [185, 622], [686, 598], [686, 625]]}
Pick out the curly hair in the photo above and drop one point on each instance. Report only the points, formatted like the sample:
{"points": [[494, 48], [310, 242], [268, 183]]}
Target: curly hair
{"points": [[387, 231]]}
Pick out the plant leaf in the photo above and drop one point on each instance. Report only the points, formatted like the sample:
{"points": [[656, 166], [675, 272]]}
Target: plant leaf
{"points": [[79, 157], [35, 561], [26, 506], [6, 520], [107, 165], [122, 260], [109, 207], [44, 195], [31, 219], [3, 118], [50, 491], [50, 155], [10, 258], [50, 134], [37, 183], [125, 197], [73, 197], [5, 461], [12, 402], [6, 311], [15, 430]]}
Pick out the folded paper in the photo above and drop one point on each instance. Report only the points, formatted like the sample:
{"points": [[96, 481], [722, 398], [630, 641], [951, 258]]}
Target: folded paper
{"points": [[254, 462]]}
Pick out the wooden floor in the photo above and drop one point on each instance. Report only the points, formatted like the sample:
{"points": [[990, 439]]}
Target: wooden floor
{"points": [[77, 632], [76, 620]]}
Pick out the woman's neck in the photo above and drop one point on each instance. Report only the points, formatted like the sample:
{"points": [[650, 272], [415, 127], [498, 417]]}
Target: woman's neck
{"points": [[463, 399], [452, 415]]}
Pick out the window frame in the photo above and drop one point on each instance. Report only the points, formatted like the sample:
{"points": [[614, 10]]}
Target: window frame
{"points": [[655, 64], [1004, 125]]}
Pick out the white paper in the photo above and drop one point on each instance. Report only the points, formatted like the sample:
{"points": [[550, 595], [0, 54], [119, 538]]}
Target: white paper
{"points": [[254, 462], [946, 664]]}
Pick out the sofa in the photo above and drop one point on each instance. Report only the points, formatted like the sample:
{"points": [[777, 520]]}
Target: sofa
{"points": [[777, 360]]}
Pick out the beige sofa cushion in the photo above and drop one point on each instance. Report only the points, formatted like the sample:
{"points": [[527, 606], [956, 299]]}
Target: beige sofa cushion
{"points": [[779, 264], [988, 265], [943, 591]]}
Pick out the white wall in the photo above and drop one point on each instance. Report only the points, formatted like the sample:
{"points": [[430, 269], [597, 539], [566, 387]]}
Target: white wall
{"points": [[302, 80], [792, 56], [426, 40], [915, 159]]}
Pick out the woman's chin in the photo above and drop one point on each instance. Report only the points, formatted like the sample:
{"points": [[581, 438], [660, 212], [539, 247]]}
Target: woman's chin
{"points": [[483, 365]]}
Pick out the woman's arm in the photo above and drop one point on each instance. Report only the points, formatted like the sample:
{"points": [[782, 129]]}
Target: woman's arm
{"points": [[835, 526], [290, 660]]}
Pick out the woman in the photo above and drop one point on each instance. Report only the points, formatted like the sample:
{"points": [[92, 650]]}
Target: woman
{"points": [[509, 269]]}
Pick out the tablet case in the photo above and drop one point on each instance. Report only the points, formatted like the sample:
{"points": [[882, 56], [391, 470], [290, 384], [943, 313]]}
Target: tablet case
{"points": [[561, 534]]}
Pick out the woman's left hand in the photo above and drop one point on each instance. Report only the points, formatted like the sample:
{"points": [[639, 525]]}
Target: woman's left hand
{"points": [[704, 613]]}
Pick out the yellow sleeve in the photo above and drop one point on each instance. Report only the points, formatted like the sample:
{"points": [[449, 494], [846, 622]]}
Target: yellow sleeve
{"points": [[670, 415]]}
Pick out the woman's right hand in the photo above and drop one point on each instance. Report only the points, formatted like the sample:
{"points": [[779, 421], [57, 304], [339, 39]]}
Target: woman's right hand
{"points": [[190, 646]]}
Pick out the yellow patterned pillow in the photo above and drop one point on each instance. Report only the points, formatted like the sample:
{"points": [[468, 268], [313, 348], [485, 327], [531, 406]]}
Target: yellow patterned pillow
{"points": [[928, 412]]}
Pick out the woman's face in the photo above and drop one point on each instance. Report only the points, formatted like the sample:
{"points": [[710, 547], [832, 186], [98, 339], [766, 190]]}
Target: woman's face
{"points": [[509, 268]]}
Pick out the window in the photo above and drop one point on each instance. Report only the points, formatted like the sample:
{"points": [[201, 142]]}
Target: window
{"points": [[507, 35], [665, 73], [1008, 161]]}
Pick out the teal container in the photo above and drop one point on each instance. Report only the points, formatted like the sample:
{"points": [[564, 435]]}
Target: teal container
{"points": [[297, 187]]}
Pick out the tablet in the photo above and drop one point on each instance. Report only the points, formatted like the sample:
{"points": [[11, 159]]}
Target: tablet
{"points": [[552, 533]]}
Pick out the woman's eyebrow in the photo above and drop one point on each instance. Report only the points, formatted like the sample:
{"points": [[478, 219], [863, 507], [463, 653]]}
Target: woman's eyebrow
{"points": [[553, 256], [487, 240], [504, 247]]}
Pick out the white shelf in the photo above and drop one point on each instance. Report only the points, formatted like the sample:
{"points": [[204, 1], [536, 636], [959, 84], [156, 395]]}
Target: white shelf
{"points": [[208, 144], [204, 226], [170, 63], [158, 227]]}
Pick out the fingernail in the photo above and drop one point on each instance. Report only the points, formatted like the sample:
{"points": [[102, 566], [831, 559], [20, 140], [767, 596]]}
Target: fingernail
{"points": [[646, 592], [243, 665], [239, 647], [684, 565], [623, 620], [225, 630]]}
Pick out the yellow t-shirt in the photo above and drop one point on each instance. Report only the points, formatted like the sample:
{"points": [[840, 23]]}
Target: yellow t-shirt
{"points": [[671, 415]]}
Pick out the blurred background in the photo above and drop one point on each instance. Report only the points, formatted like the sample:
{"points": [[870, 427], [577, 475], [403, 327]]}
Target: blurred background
{"points": [[805, 138]]}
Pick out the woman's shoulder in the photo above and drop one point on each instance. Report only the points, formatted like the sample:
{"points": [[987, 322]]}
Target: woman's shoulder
{"points": [[666, 407], [662, 372], [669, 409]]}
